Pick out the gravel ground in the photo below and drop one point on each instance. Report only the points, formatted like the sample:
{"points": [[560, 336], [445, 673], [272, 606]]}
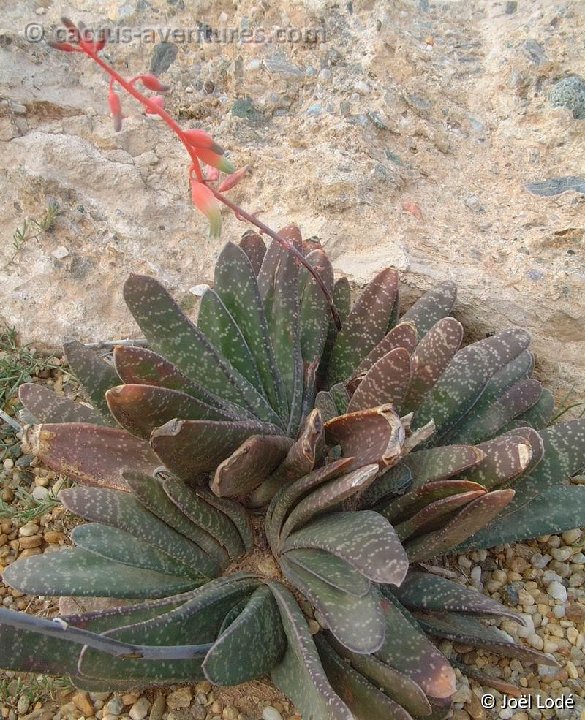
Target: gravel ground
{"points": [[543, 579]]}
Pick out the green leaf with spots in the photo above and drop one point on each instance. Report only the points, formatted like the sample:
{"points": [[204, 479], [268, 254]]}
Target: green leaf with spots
{"points": [[386, 381], [356, 621], [506, 457], [364, 327], [172, 334], [142, 408], [393, 482], [402, 336], [468, 521], [236, 513], [325, 403], [217, 324], [236, 285], [197, 620], [48, 407], [340, 397], [432, 355], [78, 572], [314, 318], [214, 440], [151, 494], [93, 372], [468, 630], [251, 645], [90, 454], [408, 649], [326, 497], [433, 593], [433, 306], [140, 366], [417, 499], [433, 515], [289, 494], [441, 463], [330, 569], [515, 401], [300, 674], [210, 517], [365, 700], [539, 415], [122, 510], [394, 683], [364, 539], [121, 547]]}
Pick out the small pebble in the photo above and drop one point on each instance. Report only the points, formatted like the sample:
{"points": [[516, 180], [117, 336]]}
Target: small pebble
{"points": [[114, 706], [82, 702], [270, 713], [557, 591], [180, 698], [140, 709]]}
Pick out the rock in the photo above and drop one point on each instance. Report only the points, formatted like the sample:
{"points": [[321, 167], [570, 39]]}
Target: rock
{"points": [[556, 186], [140, 709], [557, 591], [40, 493], [180, 698], [28, 530], [163, 56], [60, 252], [158, 707], [83, 703], [23, 704], [270, 713], [570, 93], [114, 706]]}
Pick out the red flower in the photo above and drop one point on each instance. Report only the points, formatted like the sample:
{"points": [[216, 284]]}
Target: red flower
{"points": [[204, 200]]}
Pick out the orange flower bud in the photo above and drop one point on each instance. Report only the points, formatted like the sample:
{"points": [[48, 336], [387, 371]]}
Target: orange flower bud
{"points": [[115, 109], [151, 82], [198, 138], [204, 200], [233, 179]]}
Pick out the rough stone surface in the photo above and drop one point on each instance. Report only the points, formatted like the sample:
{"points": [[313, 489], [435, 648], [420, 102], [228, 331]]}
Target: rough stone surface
{"points": [[404, 135]]}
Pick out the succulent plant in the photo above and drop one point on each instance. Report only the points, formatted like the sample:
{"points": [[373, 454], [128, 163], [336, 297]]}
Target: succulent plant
{"points": [[266, 489]]}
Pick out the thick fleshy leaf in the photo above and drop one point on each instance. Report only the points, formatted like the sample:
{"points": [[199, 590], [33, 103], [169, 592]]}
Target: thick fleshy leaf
{"points": [[369, 436], [407, 649], [364, 327], [433, 515], [330, 569], [290, 234], [394, 683], [433, 306], [253, 245], [300, 674], [419, 498], [220, 328], [327, 496], [468, 630], [142, 408], [506, 457], [140, 366], [326, 405], [121, 547], [424, 591], [151, 494], [441, 462], [93, 372], [402, 336], [250, 465], [209, 517], [251, 645], [314, 308], [236, 513], [90, 454], [467, 522], [514, 402], [171, 333], [356, 621], [394, 482], [385, 382], [464, 379], [214, 441], [532, 513], [236, 285], [48, 407], [364, 539], [432, 355], [123, 511], [285, 331], [342, 302], [364, 699], [532, 438], [539, 415], [288, 495], [304, 453], [73, 571], [198, 620]]}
